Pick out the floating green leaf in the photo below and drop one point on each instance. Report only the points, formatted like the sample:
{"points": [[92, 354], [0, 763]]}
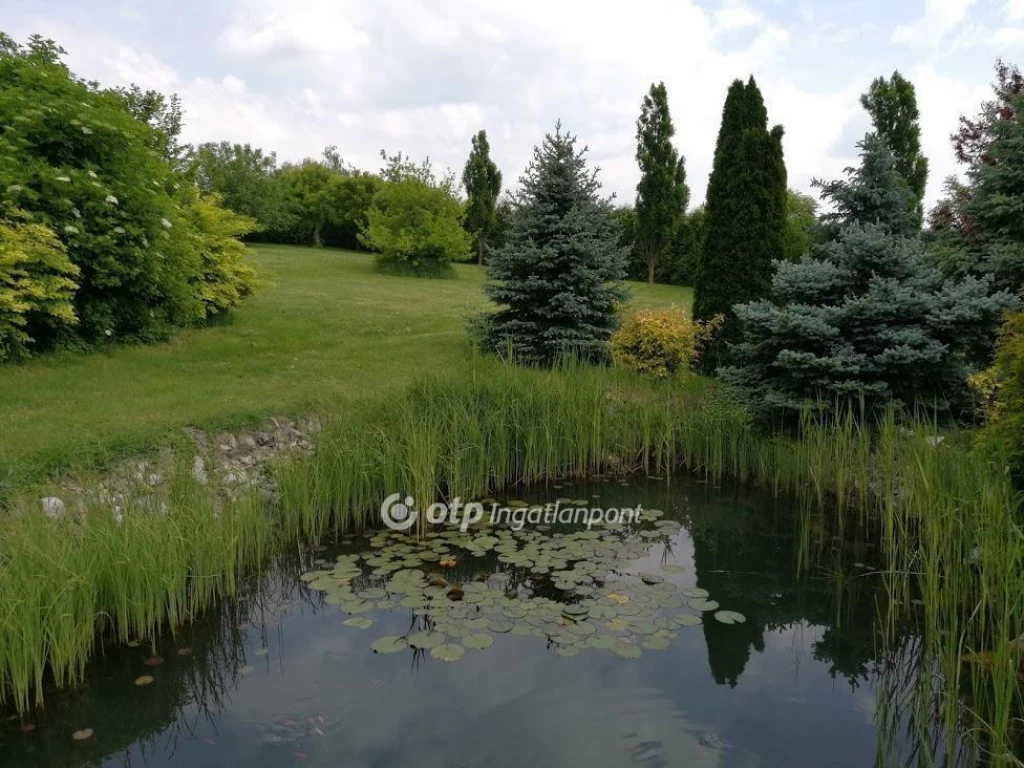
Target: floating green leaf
{"points": [[389, 644], [478, 642], [447, 652], [702, 604], [358, 622], [730, 617], [425, 639]]}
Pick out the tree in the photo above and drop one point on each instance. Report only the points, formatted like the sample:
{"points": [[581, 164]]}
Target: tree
{"points": [[244, 178], [801, 226], [978, 228], [415, 229], [557, 279], [307, 187], [162, 114], [892, 105], [482, 181], [867, 320], [746, 214], [661, 194]]}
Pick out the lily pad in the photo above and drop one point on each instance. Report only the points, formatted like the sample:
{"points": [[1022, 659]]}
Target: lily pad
{"points": [[261, 651], [651, 578], [448, 652], [500, 624], [627, 651], [82, 735], [478, 642], [696, 592], [730, 617], [656, 643], [688, 620], [144, 680], [358, 622], [154, 661], [389, 644], [425, 639], [567, 651], [702, 604], [246, 670]]}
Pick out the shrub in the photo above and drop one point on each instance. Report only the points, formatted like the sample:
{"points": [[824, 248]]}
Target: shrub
{"points": [[1002, 387], [37, 285], [660, 342], [212, 232], [415, 228]]}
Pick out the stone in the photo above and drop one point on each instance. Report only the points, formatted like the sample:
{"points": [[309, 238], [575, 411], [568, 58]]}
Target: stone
{"points": [[53, 507], [199, 470]]}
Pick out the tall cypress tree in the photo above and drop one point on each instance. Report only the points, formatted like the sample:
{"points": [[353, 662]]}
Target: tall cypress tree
{"points": [[746, 213], [892, 105], [482, 181], [558, 278], [662, 194]]}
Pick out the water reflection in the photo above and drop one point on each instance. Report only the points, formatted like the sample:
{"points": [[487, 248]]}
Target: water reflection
{"points": [[275, 678]]}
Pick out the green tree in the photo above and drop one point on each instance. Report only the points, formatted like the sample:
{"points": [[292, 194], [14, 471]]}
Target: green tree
{"points": [[801, 226], [244, 178], [978, 228], [415, 229], [867, 320], [746, 214], [307, 189], [661, 194], [482, 181], [161, 113], [557, 279], [892, 105]]}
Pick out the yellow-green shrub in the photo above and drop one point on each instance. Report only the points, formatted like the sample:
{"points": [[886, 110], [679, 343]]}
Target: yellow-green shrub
{"points": [[223, 279], [37, 284], [659, 342], [1002, 388]]}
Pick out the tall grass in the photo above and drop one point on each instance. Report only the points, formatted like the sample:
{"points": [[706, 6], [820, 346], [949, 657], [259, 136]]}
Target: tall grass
{"points": [[67, 585]]}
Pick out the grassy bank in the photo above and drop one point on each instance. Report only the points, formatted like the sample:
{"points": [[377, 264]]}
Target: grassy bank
{"points": [[326, 328]]}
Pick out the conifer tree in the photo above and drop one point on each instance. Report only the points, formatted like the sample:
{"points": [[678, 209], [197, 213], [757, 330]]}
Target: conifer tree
{"points": [[662, 194], [867, 320], [557, 279], [482, 181], [892, 105], [746, 213]]}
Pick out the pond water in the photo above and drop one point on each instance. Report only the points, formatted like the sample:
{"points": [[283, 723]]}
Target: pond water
{"points": [[583, 664]]}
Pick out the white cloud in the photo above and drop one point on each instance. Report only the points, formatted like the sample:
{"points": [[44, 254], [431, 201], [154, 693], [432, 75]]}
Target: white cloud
{"points": [[295, 30], [940, 17], [735, 14], [1013, 11]]}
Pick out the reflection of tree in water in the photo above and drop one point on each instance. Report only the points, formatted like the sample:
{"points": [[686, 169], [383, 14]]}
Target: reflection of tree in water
{"points": [[188, 690], [746, 556]]}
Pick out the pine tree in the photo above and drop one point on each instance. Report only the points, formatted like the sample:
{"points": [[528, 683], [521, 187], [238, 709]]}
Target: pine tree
{"points": [[746, 213], [482, 181], [557, 279], [662, 194], [867, 319], [892, 105]]}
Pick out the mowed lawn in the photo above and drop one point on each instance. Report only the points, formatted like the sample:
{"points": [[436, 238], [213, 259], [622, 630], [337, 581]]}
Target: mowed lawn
{"points": [[325, 328]]}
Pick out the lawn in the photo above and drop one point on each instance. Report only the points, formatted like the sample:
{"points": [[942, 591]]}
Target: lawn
{"points": [[325, 329]]}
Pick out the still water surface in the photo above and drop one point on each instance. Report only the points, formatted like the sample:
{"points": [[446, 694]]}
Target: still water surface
{"points": [[275, 678]]}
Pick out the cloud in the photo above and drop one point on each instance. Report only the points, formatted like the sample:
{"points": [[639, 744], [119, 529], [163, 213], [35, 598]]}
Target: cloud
{"points": [[1013, 11], [940, 17], [295, 31]]}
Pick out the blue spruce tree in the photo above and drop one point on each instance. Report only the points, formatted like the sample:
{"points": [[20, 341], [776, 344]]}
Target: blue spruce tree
{"points": [[558, 278], [867, 318]]}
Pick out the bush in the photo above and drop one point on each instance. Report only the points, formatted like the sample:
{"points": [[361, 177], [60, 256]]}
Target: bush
{"points": [[415, 229], [37, 285], [212, 232], [75, 161], [1002, 387], [660, 342]]}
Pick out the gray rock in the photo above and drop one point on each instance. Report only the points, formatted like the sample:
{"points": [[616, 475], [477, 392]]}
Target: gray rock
{"points": [[199, 470], [53, 507]]}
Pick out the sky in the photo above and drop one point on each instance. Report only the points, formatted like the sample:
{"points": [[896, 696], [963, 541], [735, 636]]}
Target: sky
{"points": [[422, 76]]}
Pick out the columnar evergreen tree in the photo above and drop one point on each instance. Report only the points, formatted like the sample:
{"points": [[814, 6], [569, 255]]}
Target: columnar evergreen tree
{"points": [[867, 319], [662, 194], [746, 213], [557, 279], [482, 181], [892, 105]]}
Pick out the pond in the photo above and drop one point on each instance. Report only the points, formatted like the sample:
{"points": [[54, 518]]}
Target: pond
{"points": [[557, 651]]}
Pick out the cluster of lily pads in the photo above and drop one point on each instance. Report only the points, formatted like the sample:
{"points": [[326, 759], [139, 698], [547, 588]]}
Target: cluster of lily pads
{"points": [[578, 590]]}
